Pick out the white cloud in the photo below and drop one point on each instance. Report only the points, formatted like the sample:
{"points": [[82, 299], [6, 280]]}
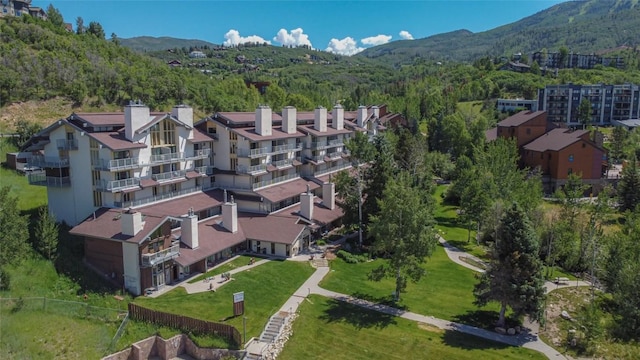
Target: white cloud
{"points": [[232, 38], [297, 37], [376, 40], [347, 46], [405, 35]]}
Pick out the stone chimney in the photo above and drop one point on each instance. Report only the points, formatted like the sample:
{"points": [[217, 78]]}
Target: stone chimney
{"points": [[362, 115], [136, 114], [230, 216], [329, 195], [338, 117], [289, 119], [376, 111], [189, 228], [306, 204], [131, 222], [320, 119], [184, 114], [263, 120]]}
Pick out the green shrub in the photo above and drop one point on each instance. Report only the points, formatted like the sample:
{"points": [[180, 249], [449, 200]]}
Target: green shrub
{"points": [[5, 279], [321, 242], [352, 258]]}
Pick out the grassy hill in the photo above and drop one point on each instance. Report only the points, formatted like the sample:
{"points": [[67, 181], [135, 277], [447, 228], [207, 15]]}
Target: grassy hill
{"points": [[581, 26]]}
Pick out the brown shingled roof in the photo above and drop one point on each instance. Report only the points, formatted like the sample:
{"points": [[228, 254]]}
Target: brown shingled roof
{"points": [[115, 140], [272, 228], [520, 118], [200, 136], [277, 193], [212, 238], [308, 129], [106, 118], [555, 140], [180, 206], [276, 133], [107, 225], [241, 117]]}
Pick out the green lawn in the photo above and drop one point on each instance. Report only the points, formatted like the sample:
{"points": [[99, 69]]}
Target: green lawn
{"points": [[448, 226], [330, 329], [240, 261], [266, 288], [446, 291]]}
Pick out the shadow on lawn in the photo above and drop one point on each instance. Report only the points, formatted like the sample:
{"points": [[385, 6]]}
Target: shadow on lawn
{"points": [[360, 318]]}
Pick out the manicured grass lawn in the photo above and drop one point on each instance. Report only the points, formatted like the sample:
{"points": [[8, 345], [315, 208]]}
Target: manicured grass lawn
{"points": [[266, 288], [240, 261], [446, 291], [330, 329], [30, 196], [448, 226]]}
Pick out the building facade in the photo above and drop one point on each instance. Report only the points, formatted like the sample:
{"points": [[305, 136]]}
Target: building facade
{"points": [[21, 7], [608, 102], [578, 61], [506, 105], [157, 197]]}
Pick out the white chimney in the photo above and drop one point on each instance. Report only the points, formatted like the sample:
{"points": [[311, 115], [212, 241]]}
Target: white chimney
{"points": [[320, 119], [230, 216], [263, 120], [289, 119], [135, 116], [306, 204], [376, 111], [362, 115], [338, 117], [131, 222], [184, 113], [329, 195], [189, 228]]}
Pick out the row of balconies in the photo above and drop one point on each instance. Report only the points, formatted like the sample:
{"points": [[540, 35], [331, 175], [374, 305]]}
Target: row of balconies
{"points": [[273, 181], [179, 156], [118, 185], [264, 151], [331, 169], [161, 256], [159, 197], [67, 144], [318, 145], [48, 161]]}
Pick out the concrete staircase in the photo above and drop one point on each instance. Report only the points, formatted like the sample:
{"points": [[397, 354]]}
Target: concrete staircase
{"points": [[320, 263], [272, 330]]}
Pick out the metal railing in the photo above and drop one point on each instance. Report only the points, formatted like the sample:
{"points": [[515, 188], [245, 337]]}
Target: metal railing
{"points": [[336, 142], [242, 169], [170, 175], [160, 256], [334, 155], [251, 153], [48, 161], [332, 169], [282, 163], [316, 158], [228, 186], [115, 185], [67, 144], [41, 179], [169, 157], [118, 164], [317, 145], [199, 154], [159, 197], [286, 148], [205, 170], [274, 181]]}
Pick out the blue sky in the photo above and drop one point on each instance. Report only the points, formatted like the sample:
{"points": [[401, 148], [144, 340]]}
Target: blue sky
{"points": [[344, 27]]}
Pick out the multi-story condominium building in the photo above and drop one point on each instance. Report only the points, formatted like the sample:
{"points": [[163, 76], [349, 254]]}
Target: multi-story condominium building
{"points": [[21, 7], [555, 151], [505, 105], [579, 61], [608, 102], [157, 197]]}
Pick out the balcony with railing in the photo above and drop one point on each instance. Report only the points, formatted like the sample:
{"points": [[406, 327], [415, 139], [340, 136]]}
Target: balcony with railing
{"points": [[335, 155], [253, 153], [204, 170], [159, 197], [169, 175], [48, 161], [118, 164], [166, 158], [232, 186], [332, 169], [316, 158], [118, 185], [282, 163], [67, 144], [199, 154], [336, 142], [253, 169], [161, 256], [317, 145], [273, 181], [41, 179], [286, 148]]}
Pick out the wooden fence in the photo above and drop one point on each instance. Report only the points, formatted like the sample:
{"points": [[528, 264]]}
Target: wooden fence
{"points": [[185, 323]]}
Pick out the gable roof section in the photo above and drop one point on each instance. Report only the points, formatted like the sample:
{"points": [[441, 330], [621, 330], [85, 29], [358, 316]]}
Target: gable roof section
{"points": [[106, 225], [272, 228], [239, 118], [115, 140], [520, 118], [555, 140], [212, 238], [286, 190]]}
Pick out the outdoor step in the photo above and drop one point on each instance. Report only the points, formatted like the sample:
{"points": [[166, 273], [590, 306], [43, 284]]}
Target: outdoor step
{"points": [[268, 339], [252, 357], [273, 328]]}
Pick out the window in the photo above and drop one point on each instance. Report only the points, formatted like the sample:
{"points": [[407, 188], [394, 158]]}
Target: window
{"points": [[233, 164], [97, 199], [571, 158], [95, 177], [126, 197], [570, 171], [528, 131], [273, 248]]}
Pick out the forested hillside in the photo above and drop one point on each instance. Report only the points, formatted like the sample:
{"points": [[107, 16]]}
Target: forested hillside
{"points": [[581, 26]]}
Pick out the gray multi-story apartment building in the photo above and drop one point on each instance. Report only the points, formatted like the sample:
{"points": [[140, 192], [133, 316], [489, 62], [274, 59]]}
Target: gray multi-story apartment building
{"points": [[608, 102]]}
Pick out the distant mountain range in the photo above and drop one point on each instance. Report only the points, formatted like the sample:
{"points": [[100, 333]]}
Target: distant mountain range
{"points": [[581, 26]]}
